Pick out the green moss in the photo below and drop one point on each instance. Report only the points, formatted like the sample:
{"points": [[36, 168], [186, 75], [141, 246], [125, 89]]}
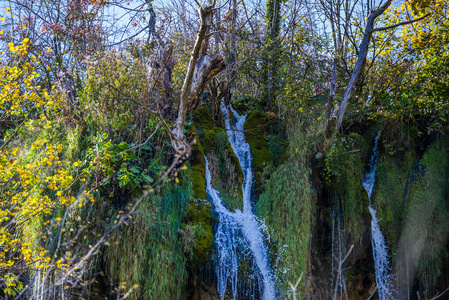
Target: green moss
{"points": [[149, 252], [353, 197], [203, 119], [196, 234], [255, 133], [207, 138], [276, 147], [227, 175], [198, 166], [425, 225], [391, 177], [396, 161], [283, 158], [286, 208], [199, 181]]}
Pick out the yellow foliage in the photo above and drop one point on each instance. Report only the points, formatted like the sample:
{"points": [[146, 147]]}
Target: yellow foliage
{"points": [[34, 180]]}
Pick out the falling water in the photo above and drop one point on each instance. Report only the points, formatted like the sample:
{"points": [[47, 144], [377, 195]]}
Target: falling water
{"points": [[239, 231], [380, 249]]}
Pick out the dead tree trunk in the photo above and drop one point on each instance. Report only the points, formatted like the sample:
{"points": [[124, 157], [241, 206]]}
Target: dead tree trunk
{"points": [[274, 32], [160, 72], [67, 87], [339, 110], [232, 56], [336, 118], [199, 73]]}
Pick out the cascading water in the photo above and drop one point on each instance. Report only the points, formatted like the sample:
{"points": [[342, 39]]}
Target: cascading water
{"points": [[380, 249], [239, 231]]}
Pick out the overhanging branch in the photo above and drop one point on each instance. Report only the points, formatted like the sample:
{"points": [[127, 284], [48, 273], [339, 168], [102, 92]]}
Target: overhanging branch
{"points": [[400, 24]]}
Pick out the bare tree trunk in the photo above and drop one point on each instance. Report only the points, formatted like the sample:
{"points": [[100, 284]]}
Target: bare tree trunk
{"points": [[67, 87], [186, 87], [160, 72], [232, 55], [330, 102], [199, 73], [152, 22], [274, 21], [340, 110]]}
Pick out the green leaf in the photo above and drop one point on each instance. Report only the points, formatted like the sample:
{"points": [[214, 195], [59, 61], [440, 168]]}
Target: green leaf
{"points": [[134, 170], [147, 178]]}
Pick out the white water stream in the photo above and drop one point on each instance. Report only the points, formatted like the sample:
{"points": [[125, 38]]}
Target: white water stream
{"points": [[239, 232], [380, 249]]}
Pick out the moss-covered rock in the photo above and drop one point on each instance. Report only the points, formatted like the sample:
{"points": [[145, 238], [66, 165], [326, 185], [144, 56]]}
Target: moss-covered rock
{"points": [[411, 198], [196, 233], [227, 175], [426, 218], [256, 130], [285, 205], [198, 165], [388, 198], [203, 119], [209, 140], [149, 252]]}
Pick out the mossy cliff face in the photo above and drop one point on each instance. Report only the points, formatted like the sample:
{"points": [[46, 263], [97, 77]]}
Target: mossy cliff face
{"points": [[342, 218], [227, 175], [198, 165], [196, 233], [256, 131], [355, 224], [411, 197], [398, 156], [149, 252], [285, 207]]}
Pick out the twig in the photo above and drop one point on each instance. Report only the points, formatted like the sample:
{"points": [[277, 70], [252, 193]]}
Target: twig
{"points": [[352, 151], [138, 146], [439, 295], [295, 287], [12, 135], [217, 8], [372, 294], [340, 263]]}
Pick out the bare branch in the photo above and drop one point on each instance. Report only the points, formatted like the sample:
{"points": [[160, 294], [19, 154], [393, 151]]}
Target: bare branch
{"points": [[400, 24]]}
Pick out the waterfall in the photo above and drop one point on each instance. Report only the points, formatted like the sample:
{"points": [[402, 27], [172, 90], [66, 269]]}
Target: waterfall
{"points": [[240, 231], [380, 249]]}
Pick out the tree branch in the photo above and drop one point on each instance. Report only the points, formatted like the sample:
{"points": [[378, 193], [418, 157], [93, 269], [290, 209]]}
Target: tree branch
{"points": [[400, 24]]}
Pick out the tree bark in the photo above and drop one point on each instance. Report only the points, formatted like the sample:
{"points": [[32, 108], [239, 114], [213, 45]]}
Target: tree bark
{"points": [[160, 72], [273, 35], [330, 102], [339, 111], [206, 69], [199, 73], [67, 87]]}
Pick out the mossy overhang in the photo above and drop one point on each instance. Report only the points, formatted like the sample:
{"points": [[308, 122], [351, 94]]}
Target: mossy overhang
{"points": [[198, 216], [198, 165], [256, 128], [203, 119]]}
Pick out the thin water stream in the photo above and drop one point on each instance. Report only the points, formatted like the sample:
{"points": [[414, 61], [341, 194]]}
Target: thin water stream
{"points": [[380, 249], [240, 232]]}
